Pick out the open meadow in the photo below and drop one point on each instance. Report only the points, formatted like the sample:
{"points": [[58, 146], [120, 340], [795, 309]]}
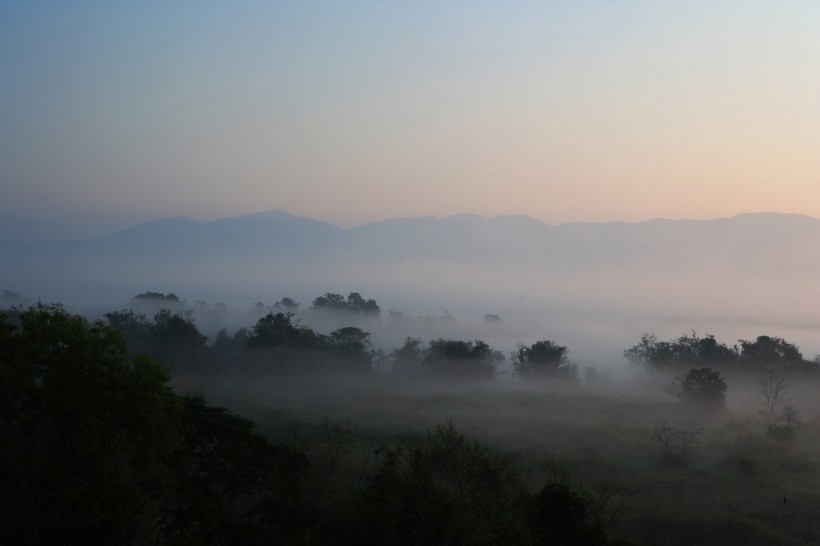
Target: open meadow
{"points": [[734, 484]]}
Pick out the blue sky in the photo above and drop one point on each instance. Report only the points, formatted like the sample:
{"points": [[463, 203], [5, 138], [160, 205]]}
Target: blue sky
{"points": [[113, 113]]}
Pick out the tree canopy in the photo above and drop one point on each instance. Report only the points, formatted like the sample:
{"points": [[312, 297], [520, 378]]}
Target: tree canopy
{"points": [[461, 359], [544, 359], [354, 304], [686, 350], [701, 387]]}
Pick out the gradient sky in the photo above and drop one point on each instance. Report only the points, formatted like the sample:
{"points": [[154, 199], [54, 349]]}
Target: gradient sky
{"points": [[114, 113]]}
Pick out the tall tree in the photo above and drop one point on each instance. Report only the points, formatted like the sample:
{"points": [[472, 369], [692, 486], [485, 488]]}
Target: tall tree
{"points": [[86, 431], [544, 359]]}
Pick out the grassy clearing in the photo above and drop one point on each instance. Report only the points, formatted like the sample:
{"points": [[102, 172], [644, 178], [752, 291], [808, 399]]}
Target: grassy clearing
{"points": [[729, 489]]}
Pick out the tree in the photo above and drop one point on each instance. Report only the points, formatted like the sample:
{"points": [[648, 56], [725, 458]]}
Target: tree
{"points": [[349, 347], [355, 304], [135, 329], [544, 359], [771, 385], [151, 302], [440, 487], [358, 305], [330, 302], [231, 485], [235, 343], [565, 513], [176, 338], [86, 429], [157, 296], [687, 350], [171, 338], [276, 330], [462, 359], [407, 359], [676, 440], [289, 305], [700, 387], [771, 351]]}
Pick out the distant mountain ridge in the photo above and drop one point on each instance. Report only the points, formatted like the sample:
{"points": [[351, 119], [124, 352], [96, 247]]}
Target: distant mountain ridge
{"points": [[462, 237], [278, 248]]}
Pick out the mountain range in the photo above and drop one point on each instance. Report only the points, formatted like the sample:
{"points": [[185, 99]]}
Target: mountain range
{"points": [[274, 250]]}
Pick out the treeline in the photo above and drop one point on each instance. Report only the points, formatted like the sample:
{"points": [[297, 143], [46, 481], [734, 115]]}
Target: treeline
{"points": [[163, 327], [707, 352], [97, 449], [279, 343]]}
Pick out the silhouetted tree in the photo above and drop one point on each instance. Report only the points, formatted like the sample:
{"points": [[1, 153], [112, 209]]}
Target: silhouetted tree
{"points": [[226, 342], [354, 304], [288, 305], [407, 359], [442, 488], [134, 327], [151, 302], [86, 430], [231, 485], [772, 351], [279, 330], [700, 387], [348, 348], [685, 351], [463, 359], [176, 333], [677, 441], [171, 338], [544, 359]]}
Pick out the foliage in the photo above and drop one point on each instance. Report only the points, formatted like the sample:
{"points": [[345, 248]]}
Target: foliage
{"points": [[349, 348], [281, 330], [86, 430], [226, 342], [461, 359], [701, 388], [355, 304], [231, 486], [290, 345], [772, 351], [97, 450], [286, 304], [544, 359], [170, 338], [695, 351], [687, 350], [407, 359], [441, 488], [564, 513]]}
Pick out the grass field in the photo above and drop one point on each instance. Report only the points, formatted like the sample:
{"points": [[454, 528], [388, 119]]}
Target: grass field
{"points": [[736, 485]]}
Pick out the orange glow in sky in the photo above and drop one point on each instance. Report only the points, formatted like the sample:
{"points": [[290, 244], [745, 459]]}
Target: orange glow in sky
{"points": [[356, 112]]}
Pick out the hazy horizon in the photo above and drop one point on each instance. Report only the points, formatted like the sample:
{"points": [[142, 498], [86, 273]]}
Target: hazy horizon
{"points": [[118, 114], [115, 114], [44, 232]]}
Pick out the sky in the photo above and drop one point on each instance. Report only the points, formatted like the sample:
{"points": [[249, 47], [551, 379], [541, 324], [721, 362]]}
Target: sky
{"points": [[116, 113]]}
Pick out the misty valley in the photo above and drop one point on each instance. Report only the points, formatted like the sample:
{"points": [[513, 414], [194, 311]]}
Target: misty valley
{"points": [[409, 273], [167, 421]]}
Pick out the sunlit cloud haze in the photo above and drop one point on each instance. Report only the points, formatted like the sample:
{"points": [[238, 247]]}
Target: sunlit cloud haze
{"points": [[115, 113]]}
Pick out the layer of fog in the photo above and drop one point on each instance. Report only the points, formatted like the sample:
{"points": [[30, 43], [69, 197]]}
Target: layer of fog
{"points": [[596, 317]]}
